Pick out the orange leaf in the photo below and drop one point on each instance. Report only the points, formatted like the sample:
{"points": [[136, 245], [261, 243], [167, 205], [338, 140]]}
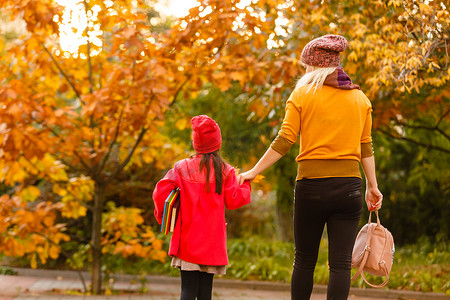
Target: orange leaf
{"points": [[258, 178]]}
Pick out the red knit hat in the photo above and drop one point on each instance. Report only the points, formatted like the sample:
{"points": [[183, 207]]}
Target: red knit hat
{"points": [[324, 51], [206, 134]]}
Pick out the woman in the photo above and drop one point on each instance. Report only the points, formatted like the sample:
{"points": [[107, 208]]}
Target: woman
{"points": [[333, 118]]}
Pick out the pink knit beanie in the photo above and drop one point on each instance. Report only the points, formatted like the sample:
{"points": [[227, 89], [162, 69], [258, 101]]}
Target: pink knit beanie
{"points": [[206, 137], [324, 51]]}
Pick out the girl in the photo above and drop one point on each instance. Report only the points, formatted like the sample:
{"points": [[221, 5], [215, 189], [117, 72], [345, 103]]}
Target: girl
{"points": [[334, 120], [207, 185]]}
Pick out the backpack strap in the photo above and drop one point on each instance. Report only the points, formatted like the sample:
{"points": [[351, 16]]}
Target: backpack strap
{"points": [[377, 285], [366, 254], [367, 250]]}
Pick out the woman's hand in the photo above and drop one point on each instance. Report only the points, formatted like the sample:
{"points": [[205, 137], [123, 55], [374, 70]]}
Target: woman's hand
{"points": [[374, 199], [249, 175]]}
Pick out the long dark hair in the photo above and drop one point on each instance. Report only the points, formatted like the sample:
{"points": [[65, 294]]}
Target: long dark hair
{"points": [[218, 165]]}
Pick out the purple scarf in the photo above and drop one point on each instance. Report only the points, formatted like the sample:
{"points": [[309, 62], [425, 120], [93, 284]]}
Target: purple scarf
{"points": [[339, 79]]}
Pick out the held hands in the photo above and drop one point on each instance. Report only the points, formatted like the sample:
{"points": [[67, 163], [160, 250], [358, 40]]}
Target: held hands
{"points": [[249, 175], [374, 199]]}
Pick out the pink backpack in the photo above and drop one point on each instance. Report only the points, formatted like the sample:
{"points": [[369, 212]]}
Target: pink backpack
{"points": [[373, 251]]}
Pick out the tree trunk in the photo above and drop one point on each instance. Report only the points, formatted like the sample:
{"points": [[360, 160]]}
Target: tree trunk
{"points": [[99, 200], [285, 211], [286, 170]]}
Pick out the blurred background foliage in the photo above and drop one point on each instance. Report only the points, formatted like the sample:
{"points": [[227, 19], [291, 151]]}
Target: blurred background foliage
{"points": [[399, 56]]}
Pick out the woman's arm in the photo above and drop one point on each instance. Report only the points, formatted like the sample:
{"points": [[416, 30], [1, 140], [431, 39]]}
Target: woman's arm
{"points": [[283, 142], [269, 158], [374, 198]]}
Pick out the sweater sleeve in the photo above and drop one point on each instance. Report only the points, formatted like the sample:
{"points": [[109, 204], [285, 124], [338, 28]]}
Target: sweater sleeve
{"points": [[162, 191], [236, 195], [290, 127], [366, 150], [366, 136]]}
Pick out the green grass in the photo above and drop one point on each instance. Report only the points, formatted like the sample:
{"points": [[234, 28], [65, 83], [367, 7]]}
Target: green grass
{"points": [[421, 267], [424, 266], [4, 270], [257, 259]]}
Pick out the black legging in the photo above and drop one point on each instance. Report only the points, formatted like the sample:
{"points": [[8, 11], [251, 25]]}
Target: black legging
{"points": [[196, 285], [337, 202]]}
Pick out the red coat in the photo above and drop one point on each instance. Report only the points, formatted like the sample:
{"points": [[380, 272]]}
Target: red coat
{"points": [[202, 237]]}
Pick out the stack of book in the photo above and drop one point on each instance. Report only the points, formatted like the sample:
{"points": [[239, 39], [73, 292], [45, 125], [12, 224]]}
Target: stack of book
{"points": [[171, 210]]}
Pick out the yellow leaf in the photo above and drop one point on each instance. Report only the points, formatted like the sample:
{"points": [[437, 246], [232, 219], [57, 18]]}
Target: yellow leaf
{"points": [[181, 124], [258, 178], [147, 157], [60, 191], [353, 56], [54, 252], [224, 85], [46, 162], [59, 174], [435, 65], [16, 174], [48, 221], [30, 193], [238, 76]]}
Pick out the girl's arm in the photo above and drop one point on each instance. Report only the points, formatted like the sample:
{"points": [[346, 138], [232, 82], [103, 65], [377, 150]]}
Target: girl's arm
{"points": [[162, 191], [236, 195], [269, 158], [374, 198]]}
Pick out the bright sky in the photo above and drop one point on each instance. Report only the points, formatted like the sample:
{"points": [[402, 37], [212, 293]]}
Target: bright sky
{"points": [[177, 8], [74, 23]]}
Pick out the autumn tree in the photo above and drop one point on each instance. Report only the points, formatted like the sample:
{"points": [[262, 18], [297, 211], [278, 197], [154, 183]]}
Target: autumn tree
{"points": [[73, 121]]}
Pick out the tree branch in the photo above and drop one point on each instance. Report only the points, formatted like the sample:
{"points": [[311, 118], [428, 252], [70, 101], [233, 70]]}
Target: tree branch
{"points": [[63, 140], [433, 17], [130, 154], [179, 89], [113, 142], [91, 79], [428, 146], [62, 72], [446, 53], [188, 77], [430, 128], [442, 117], [88, 169]]}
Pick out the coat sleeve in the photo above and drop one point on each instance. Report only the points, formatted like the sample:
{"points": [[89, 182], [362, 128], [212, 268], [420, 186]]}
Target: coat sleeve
{"points": [[162, 191], [236, 195]]}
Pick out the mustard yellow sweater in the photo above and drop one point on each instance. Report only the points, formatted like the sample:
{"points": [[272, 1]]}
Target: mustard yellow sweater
{"points": [[335, 131]]}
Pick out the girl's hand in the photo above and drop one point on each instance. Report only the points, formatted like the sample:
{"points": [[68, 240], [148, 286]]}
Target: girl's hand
{"points": [[249, 175], [374, 199]]}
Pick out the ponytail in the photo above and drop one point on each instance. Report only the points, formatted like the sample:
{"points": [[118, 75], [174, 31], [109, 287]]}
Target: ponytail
{"points": [[314, 78], [218, 165]]}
